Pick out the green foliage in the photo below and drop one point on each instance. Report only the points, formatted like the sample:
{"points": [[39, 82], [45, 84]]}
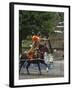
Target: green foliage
{"points": [[34, 21], [37, 21]]}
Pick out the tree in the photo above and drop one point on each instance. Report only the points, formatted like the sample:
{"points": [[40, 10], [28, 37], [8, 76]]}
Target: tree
{"points": [[35, 21]]}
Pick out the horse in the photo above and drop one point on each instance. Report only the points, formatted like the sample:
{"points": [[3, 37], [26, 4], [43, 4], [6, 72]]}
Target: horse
{"points": [[39, 59]]}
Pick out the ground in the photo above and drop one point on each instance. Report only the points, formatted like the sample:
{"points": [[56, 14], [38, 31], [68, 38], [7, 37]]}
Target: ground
{"points": [[57, 70]]}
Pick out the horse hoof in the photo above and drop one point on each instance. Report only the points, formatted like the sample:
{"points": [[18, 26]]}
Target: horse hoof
{"points": [[40, 73], [28, 73], [47, 69]]}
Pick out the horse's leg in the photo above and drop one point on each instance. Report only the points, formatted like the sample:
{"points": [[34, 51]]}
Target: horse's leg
{"points": [[22, 62], [47, 69], [25, 63], [43, 62], [39, 67], [28, 67]]}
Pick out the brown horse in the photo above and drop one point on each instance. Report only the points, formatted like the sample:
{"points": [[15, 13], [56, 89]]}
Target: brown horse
{"points": [[39, 58]]}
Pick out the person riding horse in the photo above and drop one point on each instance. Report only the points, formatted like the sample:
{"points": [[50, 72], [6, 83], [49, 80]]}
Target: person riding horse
{"points": [[36, 40], [36, 53]]}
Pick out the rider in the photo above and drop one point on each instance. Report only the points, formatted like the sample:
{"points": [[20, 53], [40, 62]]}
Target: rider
{"points": [[30, 54], [36, 39], [35, 46]]}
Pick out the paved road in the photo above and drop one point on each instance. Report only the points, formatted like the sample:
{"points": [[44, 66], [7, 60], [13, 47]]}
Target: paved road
{"points": [[57, 70]]}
